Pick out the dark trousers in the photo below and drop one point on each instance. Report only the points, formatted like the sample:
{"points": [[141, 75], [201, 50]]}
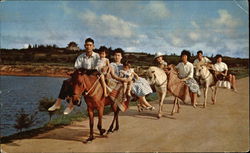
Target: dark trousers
{"points": [[66, 89]]}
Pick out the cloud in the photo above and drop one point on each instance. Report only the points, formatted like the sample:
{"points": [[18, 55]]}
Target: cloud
{"points": [[194, 36], [226, 20], [108, 25], [195, 25], [147, 13], [157, 9]]}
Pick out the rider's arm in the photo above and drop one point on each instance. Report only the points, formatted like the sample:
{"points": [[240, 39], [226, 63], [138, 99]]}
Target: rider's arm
{"points": [[136, 75], [190, 74], [116, 77]]}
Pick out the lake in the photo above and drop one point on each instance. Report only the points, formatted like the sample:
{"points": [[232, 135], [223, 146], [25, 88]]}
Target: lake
{"points": [[25, 92]]}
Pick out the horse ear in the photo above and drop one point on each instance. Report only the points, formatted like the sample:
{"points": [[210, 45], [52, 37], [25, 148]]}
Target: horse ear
{"points": [[152, 71], [69, 73]]}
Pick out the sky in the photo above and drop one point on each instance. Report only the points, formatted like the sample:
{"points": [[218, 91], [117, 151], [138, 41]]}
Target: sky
{"points": [[215, 27]]}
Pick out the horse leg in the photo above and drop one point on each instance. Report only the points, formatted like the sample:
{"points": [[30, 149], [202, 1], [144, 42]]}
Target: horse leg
{"points": [[205, 96], [116, 120], [173, 110], [99, 125], [162, 95], [114, 107], [178, 105], [91, 124], [214, 95]]}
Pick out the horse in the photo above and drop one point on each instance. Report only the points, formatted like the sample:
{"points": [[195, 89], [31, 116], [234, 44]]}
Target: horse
{"points": [[165, 81], [87, 83], [207, 79], [176, 87], [157, 77]]}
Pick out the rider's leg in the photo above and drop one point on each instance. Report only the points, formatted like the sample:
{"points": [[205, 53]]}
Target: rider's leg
{"points": [[193, 98], [104, 86], [143, 101], [125, 86], [129, 88], [64, 92]]}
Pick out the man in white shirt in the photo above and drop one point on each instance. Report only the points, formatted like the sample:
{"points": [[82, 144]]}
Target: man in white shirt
{"points": [[87, 60], [186, 71], [201, 58], [221, 72]]}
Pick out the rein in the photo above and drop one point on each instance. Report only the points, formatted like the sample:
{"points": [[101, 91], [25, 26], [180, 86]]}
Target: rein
{"points": [[206, 76], [162, 83], [98, 78]]}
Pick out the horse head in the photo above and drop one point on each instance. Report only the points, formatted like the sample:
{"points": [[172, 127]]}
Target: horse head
{"points": [[201, 71], [78, 84], [150, 75], [156, 76]]}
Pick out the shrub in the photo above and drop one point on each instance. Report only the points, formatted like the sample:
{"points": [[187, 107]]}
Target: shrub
{"points": [[24, 120]]}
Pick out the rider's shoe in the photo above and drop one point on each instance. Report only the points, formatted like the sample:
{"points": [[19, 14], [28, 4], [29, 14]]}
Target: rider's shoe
{"points": [[54, 107], [68, 110]]}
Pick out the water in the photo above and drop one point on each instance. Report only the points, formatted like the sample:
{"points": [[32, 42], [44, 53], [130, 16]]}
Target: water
{"points": [[25, 92]]}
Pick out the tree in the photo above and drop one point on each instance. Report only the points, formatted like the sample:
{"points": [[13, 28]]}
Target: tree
{"points": [[24, 120], [72, 44]]}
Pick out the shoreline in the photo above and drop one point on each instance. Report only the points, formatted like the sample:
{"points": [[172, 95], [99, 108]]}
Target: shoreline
{"points": [[33, 74], [36, 70]]}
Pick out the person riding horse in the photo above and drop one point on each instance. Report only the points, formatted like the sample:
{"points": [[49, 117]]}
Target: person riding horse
{"points": [[221, 72], [87, 60]]}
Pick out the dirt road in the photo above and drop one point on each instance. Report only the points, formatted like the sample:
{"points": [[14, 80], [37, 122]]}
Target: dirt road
{"points": [[220, 127]]}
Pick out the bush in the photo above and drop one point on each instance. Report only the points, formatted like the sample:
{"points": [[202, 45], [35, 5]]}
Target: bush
{"points": [[45, 103], [24, 120]]}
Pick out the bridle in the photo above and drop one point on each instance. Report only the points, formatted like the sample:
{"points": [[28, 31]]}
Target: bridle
{"points": [[206, 76], [90, 89]]}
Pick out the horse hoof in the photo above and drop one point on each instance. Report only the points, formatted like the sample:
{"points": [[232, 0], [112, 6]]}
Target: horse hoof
{"points": [[116, 129], [102, 131], [90, 139], [109, 131], [172, 113], [159, 116]]}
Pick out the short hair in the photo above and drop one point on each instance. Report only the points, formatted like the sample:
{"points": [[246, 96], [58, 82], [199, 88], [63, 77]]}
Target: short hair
{"points": [[200, 51], [218, 56], [89, 40], [103, 49], [119, 50], [186, 52], [127, 63]]}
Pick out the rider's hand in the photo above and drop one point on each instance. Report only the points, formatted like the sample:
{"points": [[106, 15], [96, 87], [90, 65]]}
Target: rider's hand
{"points": [[183, 79]]}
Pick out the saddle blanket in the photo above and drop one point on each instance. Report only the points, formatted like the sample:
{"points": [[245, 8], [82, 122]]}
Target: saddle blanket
{"points": [[116, 94]]}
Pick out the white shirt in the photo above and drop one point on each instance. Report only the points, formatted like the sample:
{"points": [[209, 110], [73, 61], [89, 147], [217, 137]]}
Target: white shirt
{"points": [[126, 74], [83, 61], [101, 63], [204, 60], [185, 70], [220, 66], [116, 67]]}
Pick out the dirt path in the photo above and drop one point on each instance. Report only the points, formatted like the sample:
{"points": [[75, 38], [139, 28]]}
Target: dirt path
{"points": [[220, 127]]}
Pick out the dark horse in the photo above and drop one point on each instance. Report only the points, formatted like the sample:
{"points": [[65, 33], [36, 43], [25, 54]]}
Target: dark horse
{"points": [[87, 83]]}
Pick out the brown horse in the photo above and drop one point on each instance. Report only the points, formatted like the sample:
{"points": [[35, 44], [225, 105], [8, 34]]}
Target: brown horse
{"points": [[87, 83], [176, 87]]}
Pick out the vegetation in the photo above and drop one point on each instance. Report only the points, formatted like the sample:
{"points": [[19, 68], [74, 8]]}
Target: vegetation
{"points": [[24, 120], [51, 54], [45, 103]]}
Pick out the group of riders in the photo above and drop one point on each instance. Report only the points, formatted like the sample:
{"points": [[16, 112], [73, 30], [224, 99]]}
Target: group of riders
{"points": [[132, 83]]}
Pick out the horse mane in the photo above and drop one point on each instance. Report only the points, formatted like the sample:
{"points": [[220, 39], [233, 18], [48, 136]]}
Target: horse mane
{"points": [[88, 71], [156, 69]]}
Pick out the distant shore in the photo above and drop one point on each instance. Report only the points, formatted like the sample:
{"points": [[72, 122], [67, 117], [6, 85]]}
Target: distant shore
{"points": [[54, 70], [32, 70]]}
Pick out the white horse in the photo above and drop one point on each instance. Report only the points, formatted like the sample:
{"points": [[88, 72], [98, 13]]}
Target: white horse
{"points": [[207, 80], [157, 77]]}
